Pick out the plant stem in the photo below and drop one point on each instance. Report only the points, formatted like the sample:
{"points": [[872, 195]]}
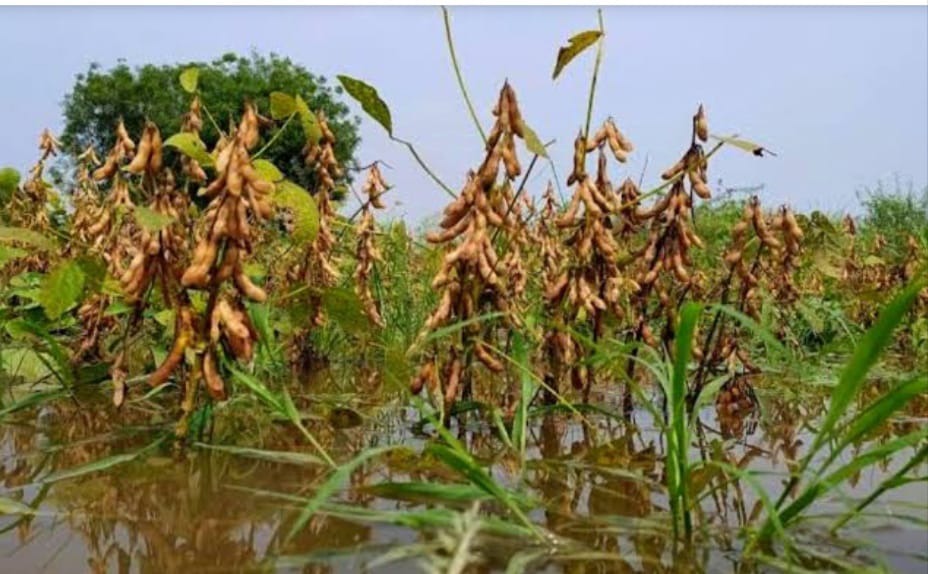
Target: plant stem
{"points": [[274, 138], [457, 72], [599, 58], [431, 174]]}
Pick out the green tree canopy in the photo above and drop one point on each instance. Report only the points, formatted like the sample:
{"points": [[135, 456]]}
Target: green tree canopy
{"points": [[100, 97]]}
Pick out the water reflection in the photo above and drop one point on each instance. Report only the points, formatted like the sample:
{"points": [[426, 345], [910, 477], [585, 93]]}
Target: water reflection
{"points": [[199, 510]]}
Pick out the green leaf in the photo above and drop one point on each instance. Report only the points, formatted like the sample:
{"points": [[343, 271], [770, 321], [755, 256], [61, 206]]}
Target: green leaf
{"points": [[344, 307], [189, 78], [282, 105], [25, 363], [267, 170], [746, 145], [61, 288], [192, 146], [27, 237], [9, 181], [303, 206], [576, 44], [278, 456], [10, 506], [8, 254], [151, 220], [308, 120], [532, 142], [370, 101]]}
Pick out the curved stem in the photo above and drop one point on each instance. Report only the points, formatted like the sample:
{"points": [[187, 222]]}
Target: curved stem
{"points": [[457, 72], [275, 137], [421, 163]]}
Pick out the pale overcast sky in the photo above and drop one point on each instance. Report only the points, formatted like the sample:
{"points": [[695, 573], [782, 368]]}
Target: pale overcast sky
{"points": [[840, 93]]}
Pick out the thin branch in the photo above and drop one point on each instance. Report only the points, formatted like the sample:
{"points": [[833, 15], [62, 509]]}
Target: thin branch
{"points": [[457, 72]]}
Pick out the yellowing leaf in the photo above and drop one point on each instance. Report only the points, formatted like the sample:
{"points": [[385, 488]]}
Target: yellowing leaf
{"points": [[192, 146], [267, 170], [532, 142], [151, 220], [189, 78], [27, 237], [282, 105], [746, 145], [370, 101], [303, 206], [308, 120], [61, 288], [576, 44]]}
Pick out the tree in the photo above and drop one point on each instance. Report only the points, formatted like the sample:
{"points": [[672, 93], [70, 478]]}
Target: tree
{"points": [[100, 98]]}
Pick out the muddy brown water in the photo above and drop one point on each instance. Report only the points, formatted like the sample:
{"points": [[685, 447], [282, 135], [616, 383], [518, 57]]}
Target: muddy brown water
{"points": [[597, 487]]}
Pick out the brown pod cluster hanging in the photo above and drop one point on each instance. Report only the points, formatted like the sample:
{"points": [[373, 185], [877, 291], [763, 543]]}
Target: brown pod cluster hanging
{"points": [[592, 285], [149, 155], [693, 164], [192, 123], [319, 267], [158, 254], [108, 231], [747, 275], [559, 346], [123, 150], [787, 257], [473, 278], [238, 198], [27, 209], [367, 253], [237, 192]]}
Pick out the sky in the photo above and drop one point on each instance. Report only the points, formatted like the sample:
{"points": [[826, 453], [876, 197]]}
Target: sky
{"points": [[840, 94]]}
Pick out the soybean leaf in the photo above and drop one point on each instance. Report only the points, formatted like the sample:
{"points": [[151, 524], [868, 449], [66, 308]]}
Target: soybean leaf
{"points": [[8, 254], [370, 101], [61, 288], [27, 237], [308, 120], [303, 206], [192, 146], [344, 307], [189, 78], [576, 44], [746, 145], [267, 170], [151, 220], [282, 105], [532, 142]]}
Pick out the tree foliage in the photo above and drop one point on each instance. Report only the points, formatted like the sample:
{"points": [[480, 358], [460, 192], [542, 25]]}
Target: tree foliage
{"points": [[100, 97]]}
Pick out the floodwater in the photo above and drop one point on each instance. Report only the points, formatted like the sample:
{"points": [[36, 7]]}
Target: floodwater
{"points": [[596, 487]]}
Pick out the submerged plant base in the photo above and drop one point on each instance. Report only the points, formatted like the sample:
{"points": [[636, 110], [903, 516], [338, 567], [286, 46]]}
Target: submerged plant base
{"points": [[100, 492]]}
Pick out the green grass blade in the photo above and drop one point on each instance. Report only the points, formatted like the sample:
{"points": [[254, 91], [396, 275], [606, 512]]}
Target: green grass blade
{"points": [[896, 480], [333, 484], [679, 435], [282, 457], [865, 356], [102, 464]]}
